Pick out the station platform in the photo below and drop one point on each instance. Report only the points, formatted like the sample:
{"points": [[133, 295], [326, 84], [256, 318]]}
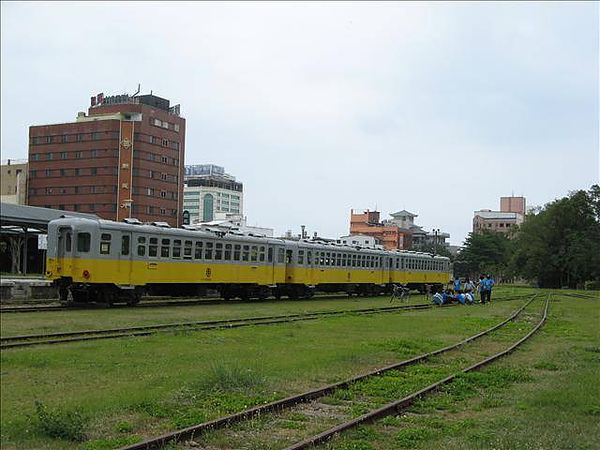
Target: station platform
{"points": [[20, 289]]}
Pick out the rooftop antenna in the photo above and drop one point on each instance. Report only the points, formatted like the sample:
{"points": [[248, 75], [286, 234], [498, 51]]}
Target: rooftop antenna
{"points": [[138, 90]]}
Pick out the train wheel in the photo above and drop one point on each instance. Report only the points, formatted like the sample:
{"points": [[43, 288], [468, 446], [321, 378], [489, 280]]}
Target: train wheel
{"points": [[134, 299]]}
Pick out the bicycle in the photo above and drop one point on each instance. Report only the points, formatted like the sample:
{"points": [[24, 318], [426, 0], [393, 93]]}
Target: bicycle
{"points": [[400, 292]]}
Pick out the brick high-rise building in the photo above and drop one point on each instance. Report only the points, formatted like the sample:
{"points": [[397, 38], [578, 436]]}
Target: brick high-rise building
{"points": [[125, 158]]}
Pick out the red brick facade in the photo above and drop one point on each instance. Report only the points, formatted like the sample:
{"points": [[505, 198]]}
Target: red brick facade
{"points": [[121, 160]]}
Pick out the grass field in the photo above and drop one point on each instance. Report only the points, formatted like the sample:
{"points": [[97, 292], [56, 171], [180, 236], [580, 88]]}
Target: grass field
{"points": [[105, 394]]}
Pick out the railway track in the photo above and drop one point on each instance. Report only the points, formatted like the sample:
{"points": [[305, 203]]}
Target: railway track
{"points": [[151, 303], [451, 362], [167, 303], [86, 335]]}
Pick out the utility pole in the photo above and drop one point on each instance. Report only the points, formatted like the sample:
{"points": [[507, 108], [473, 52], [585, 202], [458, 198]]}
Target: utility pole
{"points": [[436, 232]]}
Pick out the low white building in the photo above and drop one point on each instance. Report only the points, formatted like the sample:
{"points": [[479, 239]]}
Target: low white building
{"points": [[496, 221], [361, 240]]}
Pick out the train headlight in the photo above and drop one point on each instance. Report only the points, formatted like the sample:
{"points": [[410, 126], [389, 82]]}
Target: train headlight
{"points": [[86, 274]]}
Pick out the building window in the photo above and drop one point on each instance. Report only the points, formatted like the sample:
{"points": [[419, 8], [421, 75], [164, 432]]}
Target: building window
{"points": [[95, 153], [164, 160], [94, 171], [79, 137], [63, 155], [95, 136], [78, 154], [208, 206], [48, 173], [49, 139], [49, 156], [165, 142], [64, 138]]}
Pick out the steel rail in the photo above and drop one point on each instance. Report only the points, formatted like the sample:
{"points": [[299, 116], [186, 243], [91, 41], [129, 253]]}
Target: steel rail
{"points": [[195, 430], [398, 406], [112, 333]]}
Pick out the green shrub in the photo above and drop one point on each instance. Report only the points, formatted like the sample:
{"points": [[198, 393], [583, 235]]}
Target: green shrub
{"points": [[68, 425], [592, 285]]}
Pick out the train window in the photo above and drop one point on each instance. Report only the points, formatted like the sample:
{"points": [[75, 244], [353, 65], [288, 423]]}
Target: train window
{"points": [[228, 248], [245, 253], [270, 254], [309, 257], [153, 247], [84, 241], [237, 249], [141, 251], [165, 248], [198, 250], [218, 251], [125, 245], [300, 256], [105, 243], [141, 239], [254, 253], [261, 253], [187, 250], [327, 259], [208, 250], [176, 248], [280, 255]]}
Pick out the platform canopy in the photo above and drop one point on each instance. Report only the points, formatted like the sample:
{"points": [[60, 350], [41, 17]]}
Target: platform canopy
{"points": [[17, 219]]}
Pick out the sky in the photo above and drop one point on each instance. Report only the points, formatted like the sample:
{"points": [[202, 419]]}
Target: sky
{"points": [[320, 108]]}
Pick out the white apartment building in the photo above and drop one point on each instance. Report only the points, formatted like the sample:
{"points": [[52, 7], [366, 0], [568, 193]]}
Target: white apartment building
{"points": [[209, 193]]}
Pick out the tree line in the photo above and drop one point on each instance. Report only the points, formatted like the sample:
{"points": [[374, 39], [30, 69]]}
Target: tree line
{"points": [[557, 245]]}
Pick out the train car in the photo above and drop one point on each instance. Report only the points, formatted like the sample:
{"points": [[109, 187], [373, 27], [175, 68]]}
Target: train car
{"points": [[99, 260]]}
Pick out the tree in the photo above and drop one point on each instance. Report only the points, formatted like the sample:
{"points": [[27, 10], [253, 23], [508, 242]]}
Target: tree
{"points": [[485, 252], [560, 245]]}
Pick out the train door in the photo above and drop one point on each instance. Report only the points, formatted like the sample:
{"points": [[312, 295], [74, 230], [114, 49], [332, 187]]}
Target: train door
{"points": [[388, 277], [126, 259], [64, 251], [290, 264]]}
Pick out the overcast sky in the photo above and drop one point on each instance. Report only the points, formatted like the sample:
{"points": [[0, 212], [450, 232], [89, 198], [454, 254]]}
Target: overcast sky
{"points": [[318, 108]]}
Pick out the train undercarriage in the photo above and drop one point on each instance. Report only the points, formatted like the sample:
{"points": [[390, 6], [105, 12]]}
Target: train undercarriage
{"points": [[76, 293]]}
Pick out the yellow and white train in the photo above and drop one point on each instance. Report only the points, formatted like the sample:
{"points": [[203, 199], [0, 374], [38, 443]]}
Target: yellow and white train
{"points": [[100, 260]]}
